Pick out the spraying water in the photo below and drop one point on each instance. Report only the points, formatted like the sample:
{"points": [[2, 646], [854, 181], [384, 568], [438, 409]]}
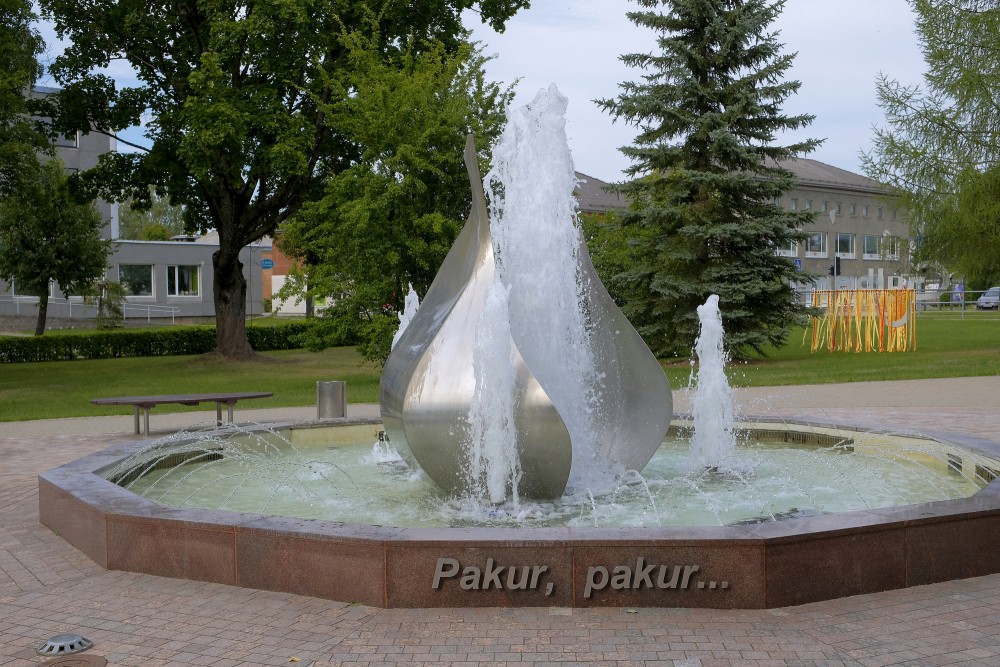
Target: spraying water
{"points": [[537, 241], [494, 467], [712, 405], [410, 305]]}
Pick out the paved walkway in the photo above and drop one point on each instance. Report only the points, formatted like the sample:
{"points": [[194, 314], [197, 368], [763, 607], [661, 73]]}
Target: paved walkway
{"points": [[47, 587]]}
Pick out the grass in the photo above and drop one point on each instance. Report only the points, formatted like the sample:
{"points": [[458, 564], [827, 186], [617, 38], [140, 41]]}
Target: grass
{"points": [[64, 388], [948, 345]]}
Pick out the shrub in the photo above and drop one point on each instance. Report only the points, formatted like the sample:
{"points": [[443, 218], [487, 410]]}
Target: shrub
{"points": [[112, 344]]}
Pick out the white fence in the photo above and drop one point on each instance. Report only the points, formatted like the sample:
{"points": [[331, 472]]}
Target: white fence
{"points": [[927, 301], [74, 308]]}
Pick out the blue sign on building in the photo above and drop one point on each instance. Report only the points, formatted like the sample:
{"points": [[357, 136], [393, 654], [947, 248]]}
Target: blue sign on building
{"points": [[798, 264], [267, 263]]}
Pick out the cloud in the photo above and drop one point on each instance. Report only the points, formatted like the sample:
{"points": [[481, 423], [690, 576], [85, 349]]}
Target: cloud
{"points": [[841, 45], [576, 44]]}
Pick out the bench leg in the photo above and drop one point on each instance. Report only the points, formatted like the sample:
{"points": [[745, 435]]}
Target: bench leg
{"points": [[218, 413], [137, 431], [146, 424]]}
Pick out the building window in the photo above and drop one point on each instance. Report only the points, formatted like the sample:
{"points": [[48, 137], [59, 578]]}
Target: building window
{"points": [[71, 141], [891, 246], [878, 213], [182, 281], [824, 207], [816, 245], [870, 250], [790, 249], [893, 214], [137, 279], [60, 140], [809, 204], [28, 293], [793, 204], [864, 211], [845, 245], [854, 209], [836, 207]]}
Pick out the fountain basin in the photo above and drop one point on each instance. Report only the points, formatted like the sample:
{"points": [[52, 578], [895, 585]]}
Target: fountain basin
{"points": [[759, 565]]}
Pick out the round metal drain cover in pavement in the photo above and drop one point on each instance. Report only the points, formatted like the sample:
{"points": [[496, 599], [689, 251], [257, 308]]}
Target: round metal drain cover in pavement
{"points": [[64, 645]]}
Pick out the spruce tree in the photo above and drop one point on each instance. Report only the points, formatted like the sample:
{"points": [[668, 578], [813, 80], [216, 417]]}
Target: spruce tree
{"points": [[705, 175]]}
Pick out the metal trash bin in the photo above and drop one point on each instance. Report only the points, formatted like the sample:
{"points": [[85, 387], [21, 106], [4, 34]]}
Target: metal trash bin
{"points": [[331, 399]]}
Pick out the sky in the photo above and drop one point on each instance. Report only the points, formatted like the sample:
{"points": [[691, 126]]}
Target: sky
{"points": [[842, 45]]}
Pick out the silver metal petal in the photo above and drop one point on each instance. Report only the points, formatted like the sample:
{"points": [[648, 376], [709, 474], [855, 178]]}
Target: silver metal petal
{"points": [[636, 405], [428, 380]]}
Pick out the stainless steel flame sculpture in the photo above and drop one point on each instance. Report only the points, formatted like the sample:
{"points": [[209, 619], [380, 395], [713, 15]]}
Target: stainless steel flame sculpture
{"points": [[428, 380]]}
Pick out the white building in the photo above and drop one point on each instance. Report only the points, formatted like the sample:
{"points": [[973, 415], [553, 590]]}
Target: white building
{"points": [[164, 279]]}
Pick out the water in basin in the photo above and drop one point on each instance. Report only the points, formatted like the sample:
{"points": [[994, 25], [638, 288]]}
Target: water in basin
{"points": [[343, 474]]}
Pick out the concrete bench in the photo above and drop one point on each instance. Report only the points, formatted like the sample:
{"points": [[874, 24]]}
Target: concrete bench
{"points": [[229, 399]]}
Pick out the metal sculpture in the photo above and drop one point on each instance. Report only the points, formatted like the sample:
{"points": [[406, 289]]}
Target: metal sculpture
{"points": [[428, 381]]}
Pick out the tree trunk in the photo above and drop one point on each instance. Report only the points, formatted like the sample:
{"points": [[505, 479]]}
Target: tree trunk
{"points": [[230, 306], [43, 309]]}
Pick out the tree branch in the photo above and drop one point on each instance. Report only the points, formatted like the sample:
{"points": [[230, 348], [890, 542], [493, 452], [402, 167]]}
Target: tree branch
{"points": [[118, 138]]}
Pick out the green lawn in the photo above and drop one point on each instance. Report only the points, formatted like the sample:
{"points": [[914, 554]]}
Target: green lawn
{"points": [[64, 388], [948, 345]]}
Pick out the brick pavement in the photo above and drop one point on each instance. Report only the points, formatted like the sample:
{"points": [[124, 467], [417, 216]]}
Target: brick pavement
{"points": [[47, 587]]}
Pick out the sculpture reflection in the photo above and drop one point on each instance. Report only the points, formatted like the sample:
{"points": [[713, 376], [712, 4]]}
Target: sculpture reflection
{"points": [[519, 376]]}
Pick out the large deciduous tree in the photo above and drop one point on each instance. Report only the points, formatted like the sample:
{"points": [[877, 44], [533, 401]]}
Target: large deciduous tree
{"points": [[389, 219], [241, 98], [47, 235], [940, 145], [705, 180], [21, 138]]}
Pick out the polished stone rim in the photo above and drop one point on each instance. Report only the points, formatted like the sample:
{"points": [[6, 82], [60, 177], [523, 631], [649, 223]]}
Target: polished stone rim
{"points": [[764, 565]]}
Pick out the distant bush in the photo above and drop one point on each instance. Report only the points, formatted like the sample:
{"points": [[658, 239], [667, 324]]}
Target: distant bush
{"points": [[120, 343]]}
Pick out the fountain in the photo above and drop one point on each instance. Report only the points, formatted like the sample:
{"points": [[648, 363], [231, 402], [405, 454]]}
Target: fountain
{"points": [[525, 447], [552, 384]]}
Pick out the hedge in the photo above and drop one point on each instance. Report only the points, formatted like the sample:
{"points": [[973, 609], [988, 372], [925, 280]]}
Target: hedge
{"points": [[140, 343]]}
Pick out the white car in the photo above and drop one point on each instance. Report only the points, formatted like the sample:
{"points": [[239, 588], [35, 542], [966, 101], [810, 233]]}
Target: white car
{"points": [[989, 299]]}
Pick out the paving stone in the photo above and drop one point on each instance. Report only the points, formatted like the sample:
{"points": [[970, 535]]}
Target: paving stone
{"points": [[47, 587]]}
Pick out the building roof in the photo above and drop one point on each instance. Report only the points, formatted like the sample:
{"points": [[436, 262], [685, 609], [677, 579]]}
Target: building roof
{"points": [[593, 196], [212, 237], [820, 174]]}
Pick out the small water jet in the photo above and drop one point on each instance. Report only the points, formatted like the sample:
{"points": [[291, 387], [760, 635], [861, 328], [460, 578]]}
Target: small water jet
{"points": [[410, 305], [713, 438]]}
